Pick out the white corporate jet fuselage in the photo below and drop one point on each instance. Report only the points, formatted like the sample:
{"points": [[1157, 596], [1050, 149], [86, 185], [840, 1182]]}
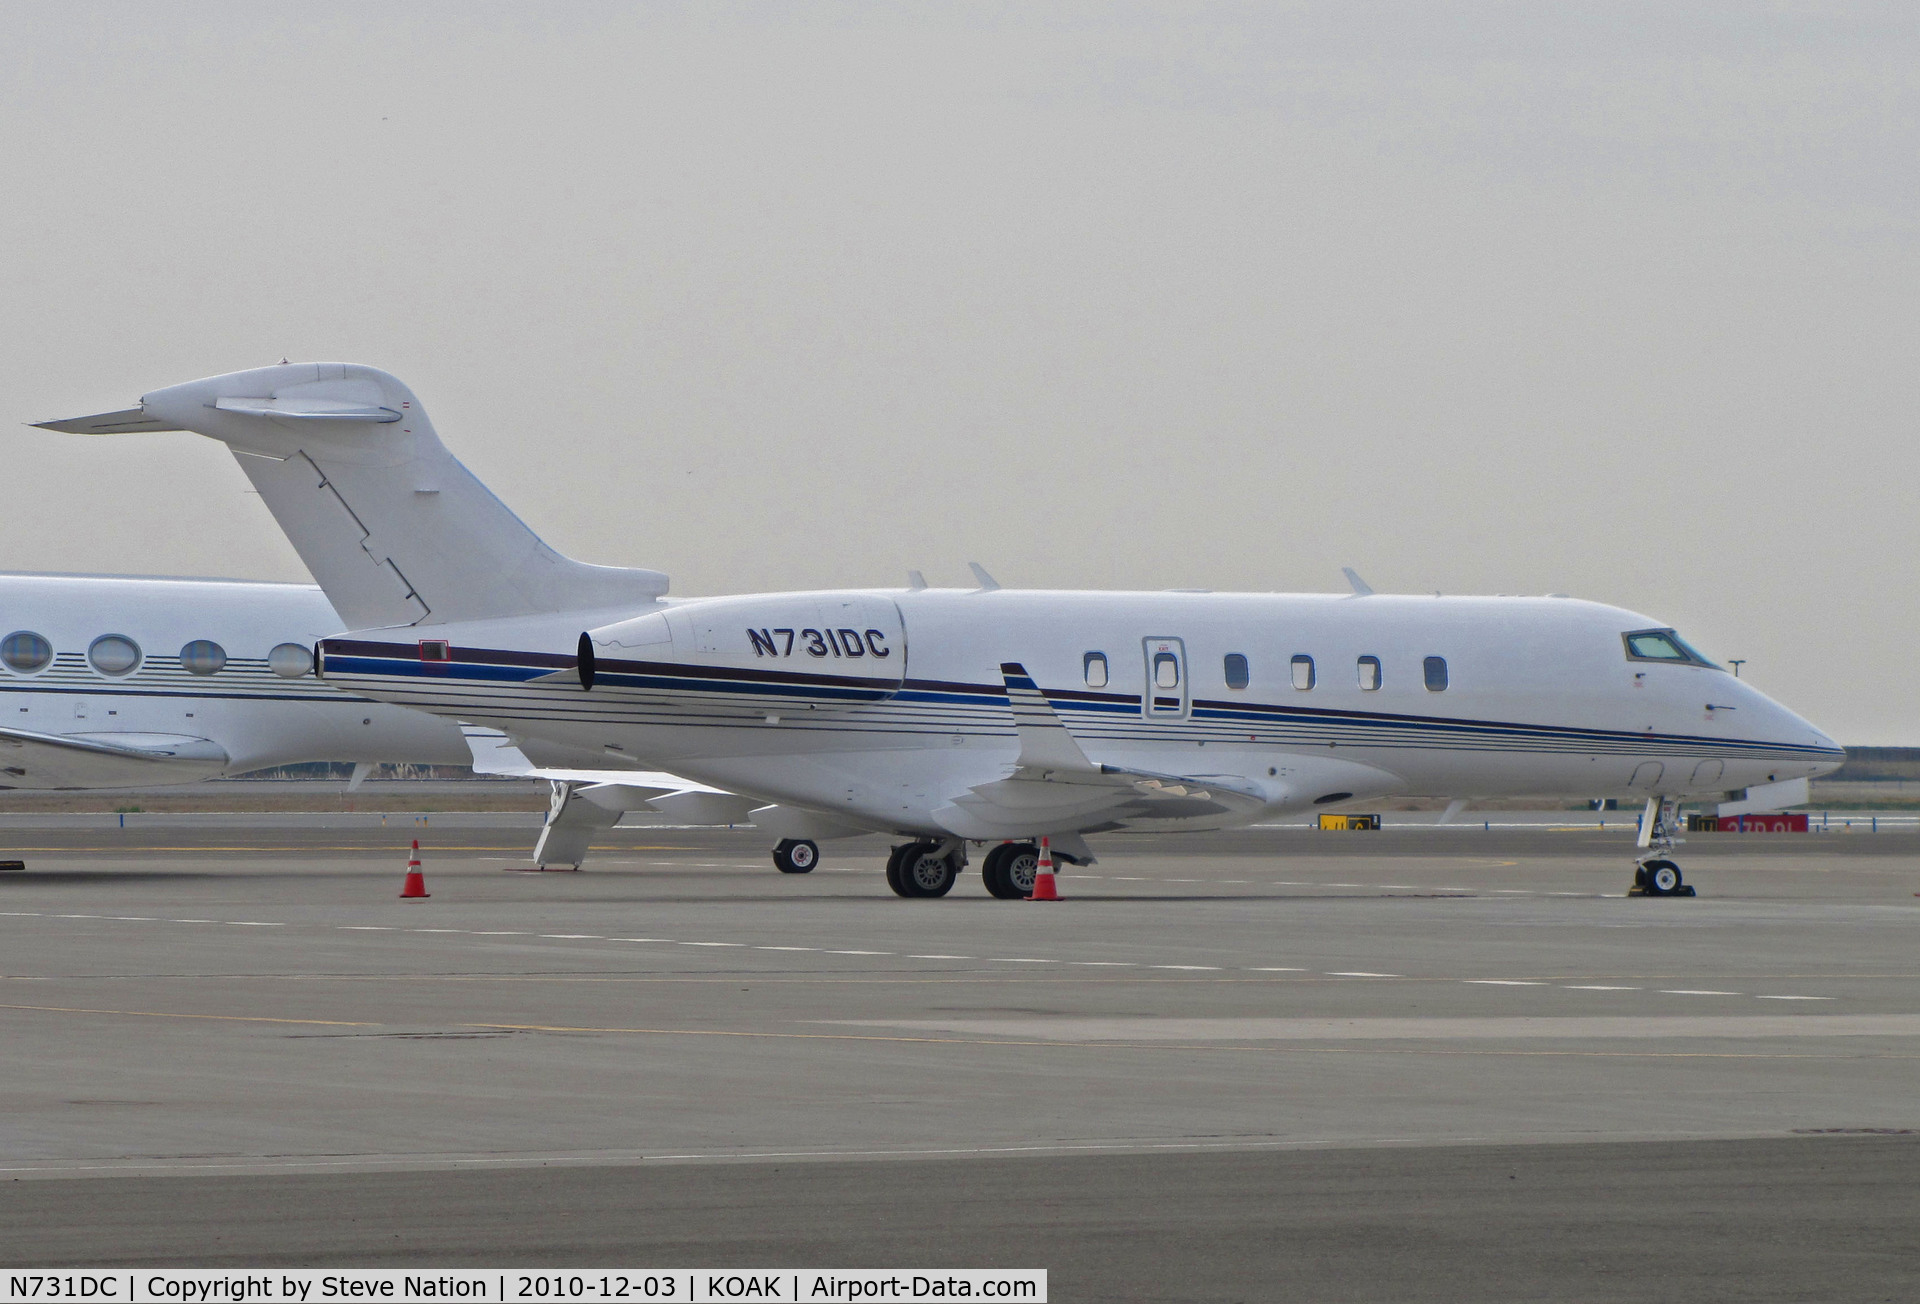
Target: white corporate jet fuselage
{"points": [[113, 681], [890, 710], [954, 716]]}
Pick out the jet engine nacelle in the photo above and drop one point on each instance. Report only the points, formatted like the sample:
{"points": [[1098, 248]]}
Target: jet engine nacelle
{"points": [[763, 653]]}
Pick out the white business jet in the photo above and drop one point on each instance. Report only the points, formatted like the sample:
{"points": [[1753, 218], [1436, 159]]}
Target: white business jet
{"points": [[115, 681], [949, 717]]}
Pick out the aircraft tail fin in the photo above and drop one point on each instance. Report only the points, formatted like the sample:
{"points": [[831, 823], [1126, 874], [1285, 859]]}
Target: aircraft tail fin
{"points": [[394, 528]]}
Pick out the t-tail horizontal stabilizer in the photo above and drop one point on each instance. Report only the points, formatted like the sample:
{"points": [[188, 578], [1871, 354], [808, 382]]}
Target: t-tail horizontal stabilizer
{"points": [[393, 527]]}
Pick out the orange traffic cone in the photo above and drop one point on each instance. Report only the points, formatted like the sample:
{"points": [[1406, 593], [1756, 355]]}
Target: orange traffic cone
{"points": [[415, 888], [1043, 889]]}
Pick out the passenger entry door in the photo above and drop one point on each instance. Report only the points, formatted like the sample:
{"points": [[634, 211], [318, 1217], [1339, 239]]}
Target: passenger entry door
{"points": [[1166, 694]]}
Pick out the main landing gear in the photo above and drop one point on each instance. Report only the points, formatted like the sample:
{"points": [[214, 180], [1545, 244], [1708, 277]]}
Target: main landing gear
{"points": [[796, 856], [926, 869], [1655, 873], [1010, 869]]}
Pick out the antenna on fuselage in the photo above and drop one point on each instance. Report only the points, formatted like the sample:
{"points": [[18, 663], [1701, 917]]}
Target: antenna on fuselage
{"points": [[1361, 589], [987, 582], [916, 581]]}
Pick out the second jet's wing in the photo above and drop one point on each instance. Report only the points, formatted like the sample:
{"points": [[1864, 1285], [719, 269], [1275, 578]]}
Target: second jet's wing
{"points": [[30, 759]]}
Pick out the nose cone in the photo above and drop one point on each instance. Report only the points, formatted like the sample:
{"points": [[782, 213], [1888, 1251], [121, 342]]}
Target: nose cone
{"points": [[1813, 752]]}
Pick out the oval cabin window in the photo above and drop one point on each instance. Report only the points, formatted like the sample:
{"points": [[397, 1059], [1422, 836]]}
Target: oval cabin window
{"points": [[203, 656], [290, 660], [1435, 669], [1236, 668], [1094, 667], [114, 654], [1303, 672], [25, 651]]}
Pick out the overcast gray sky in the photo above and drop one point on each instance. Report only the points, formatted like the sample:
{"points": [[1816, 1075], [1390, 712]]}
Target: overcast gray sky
{"points": [[1602, 298]]}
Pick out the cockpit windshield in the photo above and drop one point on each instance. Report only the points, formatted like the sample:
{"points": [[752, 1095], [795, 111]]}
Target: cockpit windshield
{"points": [[1663, 645]]}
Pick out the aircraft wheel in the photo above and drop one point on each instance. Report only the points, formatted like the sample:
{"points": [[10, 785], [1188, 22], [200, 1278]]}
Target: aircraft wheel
{"points": [[924, 872], [796, 856], [1009, 870], [1661, 877], [893, 868]]}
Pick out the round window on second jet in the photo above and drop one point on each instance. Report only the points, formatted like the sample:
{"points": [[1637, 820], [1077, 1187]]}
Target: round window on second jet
{"points": [[290, 660], [25, 651], [114, 654], [203, 656]]}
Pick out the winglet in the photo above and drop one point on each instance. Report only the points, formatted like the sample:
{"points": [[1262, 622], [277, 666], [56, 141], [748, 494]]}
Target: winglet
{"points": [[1361, 589], [987, 582], [1045, 743], [494, 752]]}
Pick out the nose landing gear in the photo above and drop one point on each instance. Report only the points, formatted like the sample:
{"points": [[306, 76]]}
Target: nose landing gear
{"points": [[1654, 873], [796, 856]]}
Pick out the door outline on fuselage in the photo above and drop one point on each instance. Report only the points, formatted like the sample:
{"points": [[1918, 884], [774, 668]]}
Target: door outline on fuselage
{"points": [[1156, 701]]}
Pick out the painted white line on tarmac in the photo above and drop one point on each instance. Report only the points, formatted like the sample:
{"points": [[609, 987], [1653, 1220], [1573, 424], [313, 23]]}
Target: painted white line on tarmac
{"points": [[1504, 982], [1695, 991], [1359, 973], [1794, 998]]}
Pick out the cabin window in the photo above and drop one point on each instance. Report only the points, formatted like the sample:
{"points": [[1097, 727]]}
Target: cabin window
{"points": [[1369, 672], [1303, 672], [1236, 668], [290, 660], [1094, 667], [1663, 645], [1166, 670], [114, 654], [25, 651], [203, 656], [1435, 669]]}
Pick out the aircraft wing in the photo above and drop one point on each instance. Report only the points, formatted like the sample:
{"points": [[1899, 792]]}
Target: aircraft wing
{"points": [[585, 802], [614, 790], [29, 759], [1054, 782]]}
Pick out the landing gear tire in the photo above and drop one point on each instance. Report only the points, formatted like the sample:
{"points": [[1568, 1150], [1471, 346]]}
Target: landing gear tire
{"points": [[1661, 878], [919, 869], [796, 856], [1010, 869]]}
